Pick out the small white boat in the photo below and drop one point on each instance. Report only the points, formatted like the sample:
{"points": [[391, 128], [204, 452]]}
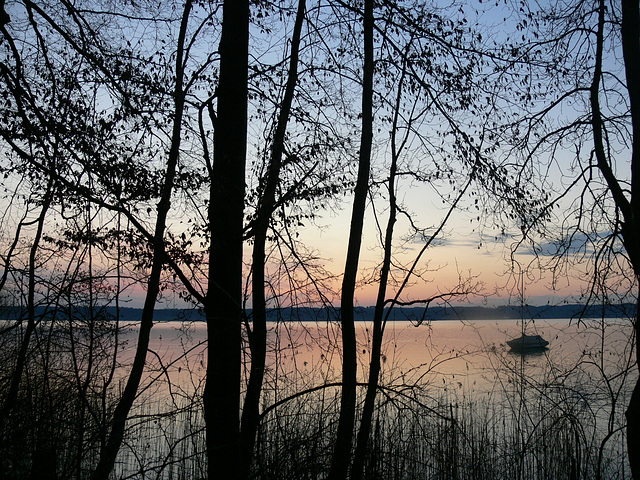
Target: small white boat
{"points": [[528, 343]]}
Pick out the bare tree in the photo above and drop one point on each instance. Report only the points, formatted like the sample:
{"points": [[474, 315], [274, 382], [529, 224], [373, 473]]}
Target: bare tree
{"points": [[342, 449], [574, 71], [121, 413], [626, 198], [85, 137], [223, 304], [266, 206]]}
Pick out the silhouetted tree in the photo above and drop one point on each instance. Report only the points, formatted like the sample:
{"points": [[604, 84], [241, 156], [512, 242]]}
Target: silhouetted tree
{"points": [[342, 449], [265, 210], [223, 304], [573, 68]]}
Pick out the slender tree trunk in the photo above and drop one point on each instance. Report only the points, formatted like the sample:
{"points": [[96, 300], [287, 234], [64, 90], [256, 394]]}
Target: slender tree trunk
{"points": [[364, 432], [223, 304], [21, 361], [344, 436], [374, 365], [258, 336], [121, 413], [8, 256]]}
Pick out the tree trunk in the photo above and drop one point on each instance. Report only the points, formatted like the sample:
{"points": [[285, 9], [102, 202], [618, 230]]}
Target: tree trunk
{"points": [[633, 410], [223, 304], [378, 322], [344, 436], [121, 413], [630, 30], [21, 361], [258, 336], [631, 53]]}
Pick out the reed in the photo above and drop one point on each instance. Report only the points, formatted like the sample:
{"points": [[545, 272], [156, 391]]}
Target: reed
{"points": [[521, 423], [419, 433]]}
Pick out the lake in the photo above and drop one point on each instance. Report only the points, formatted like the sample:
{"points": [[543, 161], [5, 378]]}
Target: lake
{"points": [[557, 407], [462, 354]]}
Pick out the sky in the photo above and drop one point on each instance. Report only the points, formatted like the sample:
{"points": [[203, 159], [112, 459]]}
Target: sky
{"points": [[461, 250], [464, 248]]}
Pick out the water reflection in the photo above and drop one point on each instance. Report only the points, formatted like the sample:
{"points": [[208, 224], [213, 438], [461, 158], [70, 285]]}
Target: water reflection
{"points": [[446, 385], [443, 355]]}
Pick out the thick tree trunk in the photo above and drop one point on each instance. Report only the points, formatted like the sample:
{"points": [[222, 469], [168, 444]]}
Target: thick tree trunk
{"points": [[633, 410], [631, 54], [110, 451], [223, 304], [630, 210], [258, 336], [344, 436]]}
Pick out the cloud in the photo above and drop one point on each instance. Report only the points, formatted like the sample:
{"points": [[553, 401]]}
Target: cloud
{"points": [[578, 244]]}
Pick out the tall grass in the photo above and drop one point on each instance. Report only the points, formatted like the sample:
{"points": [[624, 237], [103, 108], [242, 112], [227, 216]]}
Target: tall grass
{"points": [[525, 431], [528, 420]]}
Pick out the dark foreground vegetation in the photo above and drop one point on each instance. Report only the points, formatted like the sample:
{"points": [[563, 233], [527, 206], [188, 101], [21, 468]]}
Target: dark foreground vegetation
{"points": [[525, 417]]}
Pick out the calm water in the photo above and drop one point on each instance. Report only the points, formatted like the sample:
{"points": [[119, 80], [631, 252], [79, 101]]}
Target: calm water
{"points": [[531, 407], [449, 355], [464, 370]]}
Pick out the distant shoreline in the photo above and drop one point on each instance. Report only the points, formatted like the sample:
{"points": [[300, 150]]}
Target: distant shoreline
{"points": [[415, 314]]}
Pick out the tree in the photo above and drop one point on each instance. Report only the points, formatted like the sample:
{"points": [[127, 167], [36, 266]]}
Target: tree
{"points": [[626, 200], [342, 449], [88, 160], [576, 73], [11, 398], [121, 413], [266, 207], [223, 304], [127, 146], [430, 76]]}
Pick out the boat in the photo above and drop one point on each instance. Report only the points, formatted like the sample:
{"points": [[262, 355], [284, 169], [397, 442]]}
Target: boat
{"points": [[528, 343]]}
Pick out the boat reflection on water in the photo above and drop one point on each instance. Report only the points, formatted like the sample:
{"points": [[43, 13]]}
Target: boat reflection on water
{"points": [[528, 344]]}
